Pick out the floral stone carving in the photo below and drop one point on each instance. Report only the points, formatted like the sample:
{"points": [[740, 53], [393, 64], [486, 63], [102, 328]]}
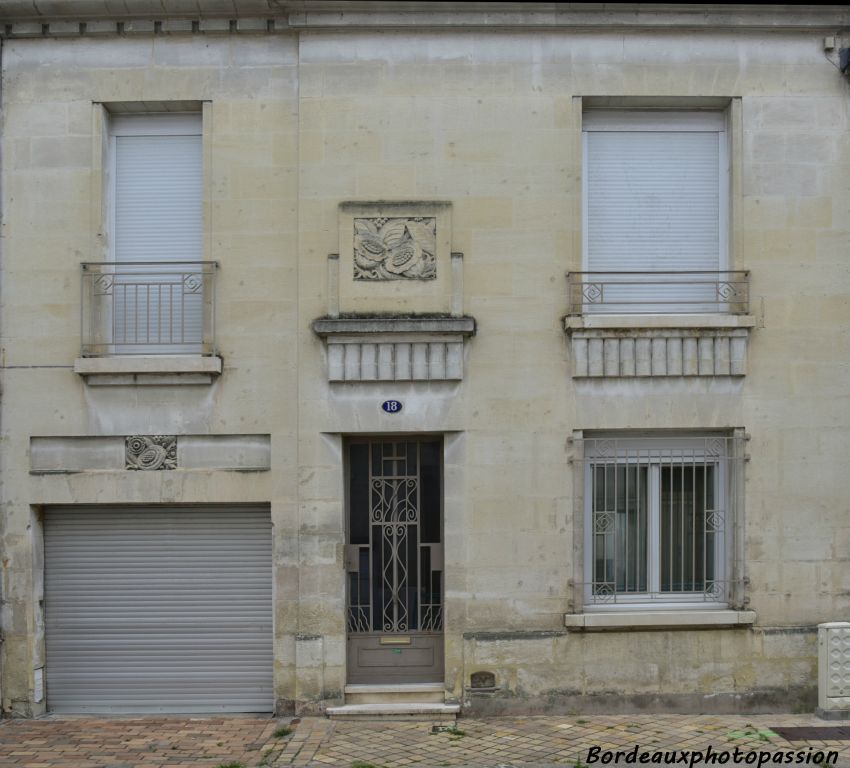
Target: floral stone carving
{"points": [[395, 248], [151, 452]]}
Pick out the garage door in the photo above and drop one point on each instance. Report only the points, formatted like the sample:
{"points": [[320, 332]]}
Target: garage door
{"points": [[158, 609]]}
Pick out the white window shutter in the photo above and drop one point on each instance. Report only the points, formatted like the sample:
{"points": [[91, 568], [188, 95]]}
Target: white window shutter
{"points": [[158, 218], [653, 203], [158, 198]]}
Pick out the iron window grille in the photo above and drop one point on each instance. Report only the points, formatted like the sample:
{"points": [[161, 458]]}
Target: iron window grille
{"points": [[662, 521]]}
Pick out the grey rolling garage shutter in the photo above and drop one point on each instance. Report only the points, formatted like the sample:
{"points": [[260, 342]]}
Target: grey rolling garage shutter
{"points": [[158, 609]]}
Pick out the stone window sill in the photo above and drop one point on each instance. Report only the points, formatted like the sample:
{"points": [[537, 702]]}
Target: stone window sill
{"points": [[148, 369], [604, 322], [624, 620]]}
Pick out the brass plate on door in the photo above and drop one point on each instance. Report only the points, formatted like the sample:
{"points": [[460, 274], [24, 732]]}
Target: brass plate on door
{"points": [[396, 641]]}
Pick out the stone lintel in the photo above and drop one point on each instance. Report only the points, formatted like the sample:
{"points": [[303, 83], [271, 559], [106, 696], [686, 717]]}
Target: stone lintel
{"points": [[99, 453]]}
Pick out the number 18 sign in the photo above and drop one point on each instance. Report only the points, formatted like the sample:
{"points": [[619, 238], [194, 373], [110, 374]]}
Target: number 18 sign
{"points": [[391, 406]]}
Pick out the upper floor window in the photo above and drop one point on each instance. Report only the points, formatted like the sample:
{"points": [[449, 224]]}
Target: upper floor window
{"points": [[154, 294], [156, 178], [655, 203]]}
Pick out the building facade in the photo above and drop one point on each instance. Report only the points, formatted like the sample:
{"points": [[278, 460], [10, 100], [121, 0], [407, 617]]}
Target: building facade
{"points": [[477, 355]]}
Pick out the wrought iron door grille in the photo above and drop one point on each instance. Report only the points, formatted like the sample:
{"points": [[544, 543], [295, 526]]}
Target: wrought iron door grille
{"points": [[658, 518], [394, 560]]}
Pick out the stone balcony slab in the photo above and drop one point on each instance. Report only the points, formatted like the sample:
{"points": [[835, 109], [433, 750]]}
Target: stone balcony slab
{"points": [[148, 369], [627, 346]]}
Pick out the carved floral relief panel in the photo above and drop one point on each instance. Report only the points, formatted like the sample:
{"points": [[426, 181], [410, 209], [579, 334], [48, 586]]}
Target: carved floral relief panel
{"points": [[395, 248], [151, 452]]}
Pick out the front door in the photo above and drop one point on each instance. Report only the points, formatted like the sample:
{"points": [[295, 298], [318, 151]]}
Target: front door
{"points": [[394, 561]]}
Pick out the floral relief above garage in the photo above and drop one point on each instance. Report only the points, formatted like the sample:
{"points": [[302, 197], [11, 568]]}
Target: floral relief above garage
{"points": [[395, 248], [149, 452], [76, 454]]}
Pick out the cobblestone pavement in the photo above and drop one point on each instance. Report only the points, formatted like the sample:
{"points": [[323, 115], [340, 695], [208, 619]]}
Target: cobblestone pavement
{"points": [[253, 742]]}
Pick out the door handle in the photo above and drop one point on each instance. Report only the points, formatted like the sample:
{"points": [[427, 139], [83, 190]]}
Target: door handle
{"points": [[352, 558], [436, 556]]}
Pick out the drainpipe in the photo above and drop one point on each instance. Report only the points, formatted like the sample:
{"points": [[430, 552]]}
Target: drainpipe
{"points": [[2, 361]]}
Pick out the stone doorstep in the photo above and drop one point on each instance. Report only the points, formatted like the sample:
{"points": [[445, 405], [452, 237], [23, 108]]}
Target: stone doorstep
{"points": [[401, 693], [392, 687], [431, 712]]}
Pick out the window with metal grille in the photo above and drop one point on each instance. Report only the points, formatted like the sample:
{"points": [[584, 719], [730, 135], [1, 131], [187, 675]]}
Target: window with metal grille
{"points": [[659, 514]]}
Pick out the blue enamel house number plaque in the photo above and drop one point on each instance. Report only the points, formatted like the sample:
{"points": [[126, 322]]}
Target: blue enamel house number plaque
{"points": [[391, 406]]}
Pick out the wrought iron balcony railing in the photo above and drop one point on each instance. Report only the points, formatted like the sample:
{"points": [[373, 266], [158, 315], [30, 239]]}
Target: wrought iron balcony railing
{"points": [[680, 292], [148, 308]]}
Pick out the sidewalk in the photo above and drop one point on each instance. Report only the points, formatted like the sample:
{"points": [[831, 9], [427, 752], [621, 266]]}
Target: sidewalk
{"points": [[255, 742]]}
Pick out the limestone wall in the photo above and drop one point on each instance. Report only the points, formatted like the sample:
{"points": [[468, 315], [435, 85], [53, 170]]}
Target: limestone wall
{"points": [[489, 120], [52, 187]]}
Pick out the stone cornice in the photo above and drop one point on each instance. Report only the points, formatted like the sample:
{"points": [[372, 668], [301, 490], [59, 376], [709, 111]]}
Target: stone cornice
{"points": [[36, 18], [318, 14], [372, 324], [138, 27]]}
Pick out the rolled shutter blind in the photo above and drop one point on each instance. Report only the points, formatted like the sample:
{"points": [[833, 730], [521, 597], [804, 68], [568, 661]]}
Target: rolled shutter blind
{"points": [[158, 198], [653, 205], [158, 609], [158, 218]]}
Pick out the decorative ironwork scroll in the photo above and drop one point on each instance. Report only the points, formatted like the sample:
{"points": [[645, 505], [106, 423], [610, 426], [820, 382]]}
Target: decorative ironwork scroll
{"points": [[659, 292], [660, 511], [395, 248], [395, 568], [148, 308], [149, 452]]}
